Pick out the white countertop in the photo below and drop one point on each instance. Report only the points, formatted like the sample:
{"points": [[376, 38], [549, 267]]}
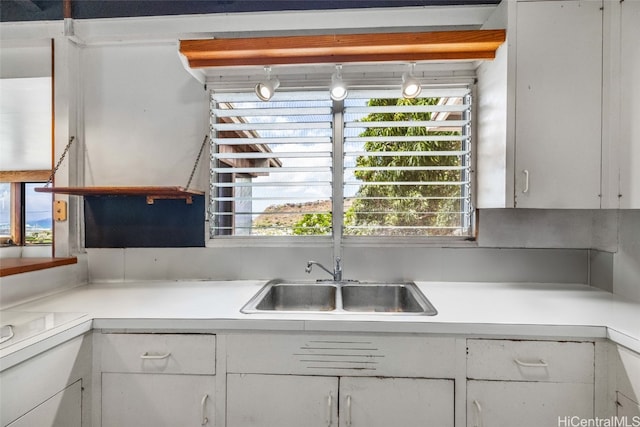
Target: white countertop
{"points": [[559, 311]]}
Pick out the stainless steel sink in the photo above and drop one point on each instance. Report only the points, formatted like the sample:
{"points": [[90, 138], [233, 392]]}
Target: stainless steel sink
{"points": [[386, 298], [297, 297], [347, 297]]}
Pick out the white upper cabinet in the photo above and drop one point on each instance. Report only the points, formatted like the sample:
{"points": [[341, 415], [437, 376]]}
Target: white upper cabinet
{"points": [[558, 118], [556, 113], [629, 155]]}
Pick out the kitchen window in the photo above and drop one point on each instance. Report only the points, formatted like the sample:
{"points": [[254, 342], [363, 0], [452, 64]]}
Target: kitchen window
{"points": [[25, 216], [373, 165], [26, 142]]}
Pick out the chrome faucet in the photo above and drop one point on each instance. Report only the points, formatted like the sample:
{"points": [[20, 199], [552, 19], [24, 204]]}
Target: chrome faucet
{"points": [[337, 270]]}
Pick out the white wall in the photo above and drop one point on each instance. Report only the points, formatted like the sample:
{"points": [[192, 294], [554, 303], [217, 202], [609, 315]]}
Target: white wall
{"points": [[19, 288], [626, 262], [514, 245], [543, 228], [27, 58], [144, 117], [494, 149], [363, 263]]}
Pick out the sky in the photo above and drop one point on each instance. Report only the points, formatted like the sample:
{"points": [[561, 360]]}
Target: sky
{"points": [[306, 193], [38, 204]]}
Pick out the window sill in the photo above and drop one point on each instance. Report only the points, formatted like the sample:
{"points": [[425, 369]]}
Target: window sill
{"points": [[10, 266], [351, 241]]}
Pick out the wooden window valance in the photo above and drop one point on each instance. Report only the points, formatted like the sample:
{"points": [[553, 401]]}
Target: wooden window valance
{"points": [[343, 48]]}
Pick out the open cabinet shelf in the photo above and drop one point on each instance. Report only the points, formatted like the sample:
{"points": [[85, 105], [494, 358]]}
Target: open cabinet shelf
{"points": [[151, 193]]}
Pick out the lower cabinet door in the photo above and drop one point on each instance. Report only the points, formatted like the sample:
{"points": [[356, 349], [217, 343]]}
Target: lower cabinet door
{"points": [[406, 402], [156, 400], [527, 404], [64, 409], [627, 408], [281, 401]]}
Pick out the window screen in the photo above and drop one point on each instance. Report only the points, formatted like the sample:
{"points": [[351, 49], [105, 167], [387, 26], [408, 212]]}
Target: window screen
{"points": [[407, 163], [403, 166], [271, 164]]}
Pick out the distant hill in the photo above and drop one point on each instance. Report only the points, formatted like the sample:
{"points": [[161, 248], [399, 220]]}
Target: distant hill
{"points": [[289, 214]]}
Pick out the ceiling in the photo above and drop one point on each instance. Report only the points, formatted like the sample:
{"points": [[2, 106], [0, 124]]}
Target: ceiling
{"points": [[41, 10]]}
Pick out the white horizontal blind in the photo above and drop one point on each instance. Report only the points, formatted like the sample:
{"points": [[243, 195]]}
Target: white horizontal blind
{"points": [[407, 163], [271, 164]]}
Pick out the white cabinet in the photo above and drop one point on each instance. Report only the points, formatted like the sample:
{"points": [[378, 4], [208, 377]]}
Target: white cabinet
{"points": [[558, 104], [295, 400], [63, 409], [46, 390], [292, 379], [156, 400], [629, 155], [407, 402], [627, 380], [528, 383], [526, 404], [539, 361], [157, 380], [625, 407], [281, 400]]}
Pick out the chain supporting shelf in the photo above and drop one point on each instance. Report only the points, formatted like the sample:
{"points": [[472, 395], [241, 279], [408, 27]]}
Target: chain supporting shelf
{"points": [[121, 216]]}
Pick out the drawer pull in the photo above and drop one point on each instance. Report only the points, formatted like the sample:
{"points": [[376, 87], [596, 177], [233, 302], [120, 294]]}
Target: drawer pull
{"points": [[203, 410], [147, 356], [349, 411], [9, 335], [478, 412], [540, 364]]}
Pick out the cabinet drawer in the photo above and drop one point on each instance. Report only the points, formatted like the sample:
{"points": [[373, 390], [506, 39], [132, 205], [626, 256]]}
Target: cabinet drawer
{"points": [[159, 353], [545, 361], [356, 355]]}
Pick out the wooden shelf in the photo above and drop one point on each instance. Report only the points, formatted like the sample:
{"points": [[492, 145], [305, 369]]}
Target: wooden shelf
{"points": [[9, 266], [151, 193], [343, 48]]}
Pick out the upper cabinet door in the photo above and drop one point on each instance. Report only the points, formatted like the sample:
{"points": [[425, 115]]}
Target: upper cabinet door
{"points": [[558, 104], [630, 105]]}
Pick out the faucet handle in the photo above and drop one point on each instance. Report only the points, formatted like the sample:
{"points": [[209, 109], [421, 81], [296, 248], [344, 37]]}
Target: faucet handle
{"points": [[337, 272]]}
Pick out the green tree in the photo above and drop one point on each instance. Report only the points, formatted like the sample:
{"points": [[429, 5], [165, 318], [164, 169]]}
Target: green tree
{"points": [[313, 224], [405, 205]]}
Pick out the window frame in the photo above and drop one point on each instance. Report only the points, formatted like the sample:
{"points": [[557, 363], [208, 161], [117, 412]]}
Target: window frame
{"points": [[18, 181], [337, 239]]}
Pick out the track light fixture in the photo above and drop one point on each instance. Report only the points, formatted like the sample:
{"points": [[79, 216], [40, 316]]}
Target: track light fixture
{"points": [[338, 89], [410, 85], [266, 88]]}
